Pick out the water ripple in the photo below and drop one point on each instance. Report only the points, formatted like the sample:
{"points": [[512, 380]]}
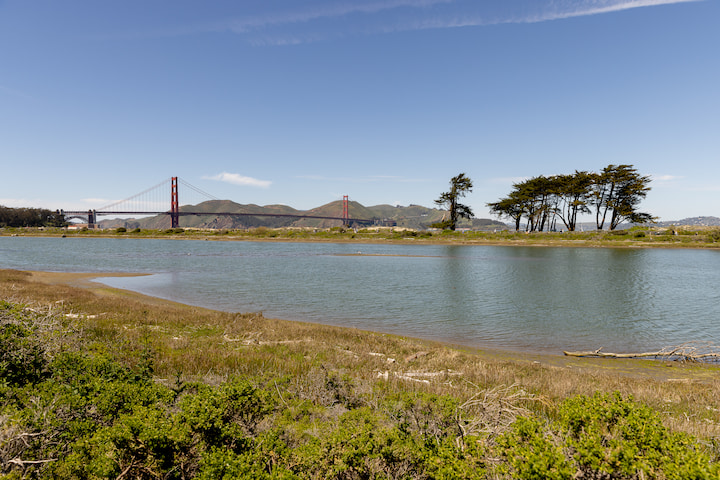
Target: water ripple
{"points": [[538, 299]]}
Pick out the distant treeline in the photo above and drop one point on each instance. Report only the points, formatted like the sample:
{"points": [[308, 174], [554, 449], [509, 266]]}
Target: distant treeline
{"points": [[30, 217]]}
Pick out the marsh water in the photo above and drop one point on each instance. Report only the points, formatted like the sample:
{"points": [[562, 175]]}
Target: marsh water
{"points": [[539, 299]]}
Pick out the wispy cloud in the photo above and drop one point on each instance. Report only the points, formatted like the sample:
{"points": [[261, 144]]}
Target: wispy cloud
{"points": [[570, 9], [323, 20], [478, 14], [327, 19], [278, 26], [237, 179], [322, 11], [665, 178]]}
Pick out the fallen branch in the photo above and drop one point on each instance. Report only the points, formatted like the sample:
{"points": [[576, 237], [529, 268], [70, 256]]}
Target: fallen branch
{"points": [[688, 352], [22, 463], [598, 353]]}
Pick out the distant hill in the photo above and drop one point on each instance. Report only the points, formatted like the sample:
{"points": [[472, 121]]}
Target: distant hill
{"points": [[413, 216], [693, 221]]}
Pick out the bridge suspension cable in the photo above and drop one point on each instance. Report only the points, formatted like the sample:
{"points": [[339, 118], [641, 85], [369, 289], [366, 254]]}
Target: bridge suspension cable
{"points": [[155, 198], [143, 198], [196, 190], [154, 201]]}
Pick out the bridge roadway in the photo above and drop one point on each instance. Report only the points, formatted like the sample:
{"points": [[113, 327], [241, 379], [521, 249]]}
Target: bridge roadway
{"points": [[85, 213]]}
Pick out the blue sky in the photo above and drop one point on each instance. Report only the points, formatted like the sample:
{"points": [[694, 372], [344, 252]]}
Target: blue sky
{"points": [[302, 102]]}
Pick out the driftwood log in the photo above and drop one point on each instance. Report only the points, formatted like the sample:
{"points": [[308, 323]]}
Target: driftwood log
{"points": [[687, 352]]}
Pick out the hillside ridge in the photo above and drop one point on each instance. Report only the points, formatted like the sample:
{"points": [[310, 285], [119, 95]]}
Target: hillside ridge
{"points": [[412, 216]]}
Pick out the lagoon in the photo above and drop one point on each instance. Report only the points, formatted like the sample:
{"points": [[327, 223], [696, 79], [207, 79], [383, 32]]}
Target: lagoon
{"points": [[534, 299]]}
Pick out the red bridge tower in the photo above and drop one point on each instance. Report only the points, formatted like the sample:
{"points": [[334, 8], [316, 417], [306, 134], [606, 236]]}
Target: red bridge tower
{"points": [[346, 214], [174, 205]]}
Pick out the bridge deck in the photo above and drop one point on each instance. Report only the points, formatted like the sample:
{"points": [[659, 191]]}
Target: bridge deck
{"points": [[219, 214]]}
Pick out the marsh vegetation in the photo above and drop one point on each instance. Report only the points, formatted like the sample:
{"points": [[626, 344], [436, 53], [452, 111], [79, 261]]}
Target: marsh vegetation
{"points": [[98, 383], [686, 237]]}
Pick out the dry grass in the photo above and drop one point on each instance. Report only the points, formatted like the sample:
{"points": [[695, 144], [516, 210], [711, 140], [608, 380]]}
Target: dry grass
{"points": [[198, 344]]}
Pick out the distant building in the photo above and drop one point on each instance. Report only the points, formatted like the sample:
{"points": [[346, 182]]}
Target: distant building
{"points": [[80, 226]]}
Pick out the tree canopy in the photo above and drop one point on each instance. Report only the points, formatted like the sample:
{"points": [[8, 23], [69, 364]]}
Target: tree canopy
{"points": [[618, 190], [30, 217], [460, 185], [615, 191]]}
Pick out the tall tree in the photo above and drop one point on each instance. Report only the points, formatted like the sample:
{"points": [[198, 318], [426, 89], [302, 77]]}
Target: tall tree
{"points": [[573, 194], [535, 194], [618, 190], [530, 198], [460, 186], [511, 207]]}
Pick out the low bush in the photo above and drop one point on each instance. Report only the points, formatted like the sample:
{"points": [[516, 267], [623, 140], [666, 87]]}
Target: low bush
{"points": [[616, 437], [22, 356], [604, 436], [532, 454]]}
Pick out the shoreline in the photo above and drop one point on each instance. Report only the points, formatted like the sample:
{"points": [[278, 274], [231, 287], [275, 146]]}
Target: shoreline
{"points": [[658, 370], [606, 239]]}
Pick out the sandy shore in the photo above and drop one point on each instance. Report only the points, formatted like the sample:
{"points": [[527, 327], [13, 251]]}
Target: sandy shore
{"points": [[76, 279]]}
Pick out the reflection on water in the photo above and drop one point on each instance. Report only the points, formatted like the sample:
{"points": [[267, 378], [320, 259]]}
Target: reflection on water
{"points": [[529, 298]]}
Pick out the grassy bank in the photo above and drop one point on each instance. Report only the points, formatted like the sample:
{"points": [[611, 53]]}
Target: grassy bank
{"points": [[685, 237], [101, 383]]}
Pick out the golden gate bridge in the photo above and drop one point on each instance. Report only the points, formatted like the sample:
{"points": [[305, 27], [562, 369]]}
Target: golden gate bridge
{"points": [[154, 200]]}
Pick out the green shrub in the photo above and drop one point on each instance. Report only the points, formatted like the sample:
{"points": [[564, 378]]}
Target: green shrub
{"points": [[353, 449], [531, 455], [146, 443], [603, 437], [433, 417], [362, 443], [120, 230], [228, 416], [22, 356], [225, 464], [612, 437]]}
